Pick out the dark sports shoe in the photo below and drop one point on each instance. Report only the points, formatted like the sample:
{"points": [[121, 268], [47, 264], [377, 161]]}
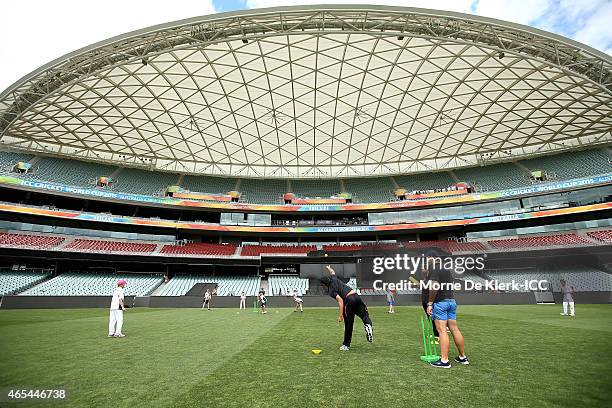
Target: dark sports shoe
{"points": [[463, 360], [368, 330], [440, 364]]}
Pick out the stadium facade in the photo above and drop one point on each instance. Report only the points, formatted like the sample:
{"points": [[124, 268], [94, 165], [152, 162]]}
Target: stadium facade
{"points": [[235, 149]]}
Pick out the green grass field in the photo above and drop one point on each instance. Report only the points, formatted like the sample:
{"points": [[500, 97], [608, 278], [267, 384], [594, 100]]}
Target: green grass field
{"points": [[527, 356]]}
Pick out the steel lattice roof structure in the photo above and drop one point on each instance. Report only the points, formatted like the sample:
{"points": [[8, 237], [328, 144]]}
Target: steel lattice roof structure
{"points": [[315, 91]]}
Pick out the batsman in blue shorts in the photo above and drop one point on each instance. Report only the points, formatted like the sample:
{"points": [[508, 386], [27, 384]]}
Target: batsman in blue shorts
{"points": [[442, 308]]}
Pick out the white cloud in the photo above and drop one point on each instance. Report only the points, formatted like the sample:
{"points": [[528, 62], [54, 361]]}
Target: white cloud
{"points": [[462, 6], [596, 31], [586, 21], [37, 32], [522, 12]]}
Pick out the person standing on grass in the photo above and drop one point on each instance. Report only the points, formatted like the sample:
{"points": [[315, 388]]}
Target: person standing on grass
{"points": [[390, 301], [242, 301], [263, 301], [117, 306], [567, 298], [298, 302], [349, 305], [207, 297], [443, 309]]}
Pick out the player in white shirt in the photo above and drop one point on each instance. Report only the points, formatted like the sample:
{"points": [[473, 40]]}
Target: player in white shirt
{"points": [[116, 310], [207, 297], [242, 301], [299, 302]]}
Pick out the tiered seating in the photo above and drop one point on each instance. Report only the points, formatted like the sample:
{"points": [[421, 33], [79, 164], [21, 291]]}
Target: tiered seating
{"points": [[539, 241], [363, 246], [269, 191], [137, 181], [448, 246], [603, 236], [13, 282], [9, 159], [323, 188], [494, 177], [200, 248], [285, 285], [475, 246], [425, 181], [256, 250], [583, 279], [94, 245], [71, 172], [370, 190], [573, 164], [94, 284], [342, 247], [209, 184], [27, 241], [227, 285]]}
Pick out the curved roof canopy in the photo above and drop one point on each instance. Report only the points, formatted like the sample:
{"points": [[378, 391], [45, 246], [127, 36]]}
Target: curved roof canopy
{"points": [[315, 91]]}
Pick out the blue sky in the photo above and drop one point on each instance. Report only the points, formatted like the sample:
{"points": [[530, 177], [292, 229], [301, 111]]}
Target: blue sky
{"points": [[68, 25]]}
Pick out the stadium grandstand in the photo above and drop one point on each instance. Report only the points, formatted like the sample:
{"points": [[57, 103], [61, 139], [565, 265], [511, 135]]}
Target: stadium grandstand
{"points": [[496, 144], [208, 172]]}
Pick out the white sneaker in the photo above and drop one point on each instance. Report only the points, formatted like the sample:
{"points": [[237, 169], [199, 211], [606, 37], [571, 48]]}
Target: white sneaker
{"points": [[111, 335], [563, 314], [344, 348], [119, 335]]}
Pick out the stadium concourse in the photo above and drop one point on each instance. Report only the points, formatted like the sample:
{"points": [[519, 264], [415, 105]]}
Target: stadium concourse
{"points": [[198, 168]]}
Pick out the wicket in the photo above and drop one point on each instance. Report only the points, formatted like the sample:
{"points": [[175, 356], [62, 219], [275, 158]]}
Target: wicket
{"points": [[429, 341]]}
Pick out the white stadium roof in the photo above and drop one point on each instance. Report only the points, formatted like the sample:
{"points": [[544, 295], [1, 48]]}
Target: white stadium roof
{"points": [[315, 91]]}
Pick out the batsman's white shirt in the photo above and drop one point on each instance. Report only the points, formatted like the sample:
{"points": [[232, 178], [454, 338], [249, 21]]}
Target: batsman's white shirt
{"points": [[117, 294]]}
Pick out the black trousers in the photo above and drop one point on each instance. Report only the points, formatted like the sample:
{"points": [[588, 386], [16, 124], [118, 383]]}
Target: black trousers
{"points": [[353, 305], [435, 329]]}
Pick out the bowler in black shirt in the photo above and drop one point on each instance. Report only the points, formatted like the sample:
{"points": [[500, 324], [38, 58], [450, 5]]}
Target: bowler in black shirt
{"points": [[349, 305]]}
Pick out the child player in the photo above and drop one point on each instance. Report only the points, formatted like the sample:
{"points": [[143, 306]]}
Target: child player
{"points": [[298, 302], [390, 301], [263, 301]]}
